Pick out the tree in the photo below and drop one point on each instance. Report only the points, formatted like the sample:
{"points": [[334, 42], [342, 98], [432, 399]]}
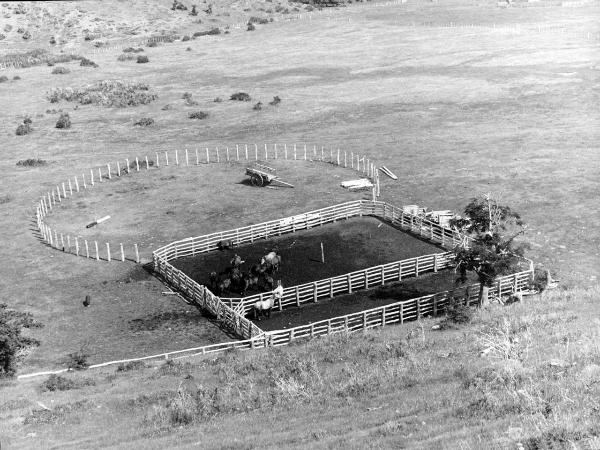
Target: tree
{"points": [[492, 251], [11, 338]]}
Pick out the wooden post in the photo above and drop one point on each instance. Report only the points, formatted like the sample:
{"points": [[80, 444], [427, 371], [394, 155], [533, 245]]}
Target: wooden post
{"points": [[137, 164], [122, 253], [266, 153], [314, 152], [62, 242], [70, 188], [187, 161], [345, 159], [418, 308], [237, 152], [338, 156], [322, 254], [176, 157], [137, 253], [366, 275], [108, 251], [207, 156], [87, 250], [349, 282], [246, 148], [68, 244], [500, 288], [275, 150], [76, 184], [383, 317], [315, 292], [127, 165], [108, 171], [118, 169], [56, 238], [382, 275], [434, 305], [100, 175], [352, 160], [157, 160], [147, 163], [197, 160], [218, 159], [97, 253], [227, 153], [58, 194], [294, 151], [401, 312], [76, 246], [331, 288], [285, 150], [297, 296], [304, 152], [364, 316], [255, 152], [167, 158], [416, 267]]}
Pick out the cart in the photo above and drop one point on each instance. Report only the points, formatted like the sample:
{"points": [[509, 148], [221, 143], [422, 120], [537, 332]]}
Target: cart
{"points": [[263, 175]]}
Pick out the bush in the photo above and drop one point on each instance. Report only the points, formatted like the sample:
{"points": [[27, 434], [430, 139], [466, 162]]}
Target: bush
{"points": [[144, 122], [153, 44], [31, 162], [12, 341], [189, 49], [218, 100], [64, 121], [60, 70], [167, 107], [177, 5], [132, 365], [258, 20], [16, 77], [2, 36], [26, 35], [212, 31], [126, 57], [142, 59], [78, 360], [240, 97], [58, 383], [3, 78], [251, 27], [198, 115], [23, 129], [133, 50], [276, 101], [52, 40], [106, 93], [185, 38], [87, 62], [257, 107], [193, 12], [189, 100]]}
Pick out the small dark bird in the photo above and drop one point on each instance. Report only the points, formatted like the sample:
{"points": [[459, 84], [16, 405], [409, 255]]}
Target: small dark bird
{"points": [[87, 301]]}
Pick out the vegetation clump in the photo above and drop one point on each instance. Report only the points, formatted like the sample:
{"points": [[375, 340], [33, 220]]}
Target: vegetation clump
{"points": [[198, 115], [251, 27], [177, 5], [129, 366], [109, 93], [59, 383], [32, 162], [240, 97], [257, 107], [189, 101], [276, 101], [87, 63], [142, 59], [12, 340], [259, 20], [78, 360], [126, 57], [3, 78], [133, 50], [64, 121], [24, 128], [60, 70], [144, 122], [212, 31]]}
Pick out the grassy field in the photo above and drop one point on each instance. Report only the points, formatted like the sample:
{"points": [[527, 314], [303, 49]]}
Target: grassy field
{"points": [[508, 107]]}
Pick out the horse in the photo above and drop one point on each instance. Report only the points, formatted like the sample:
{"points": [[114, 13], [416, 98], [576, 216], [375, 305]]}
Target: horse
{"points": [[224, 285], [272, 260], [213, 280], [225, 244], [262, 308], [246, 282]]}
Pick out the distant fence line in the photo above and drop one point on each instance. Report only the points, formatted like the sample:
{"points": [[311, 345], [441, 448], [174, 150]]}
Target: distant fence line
{"points": [[118, 251]]}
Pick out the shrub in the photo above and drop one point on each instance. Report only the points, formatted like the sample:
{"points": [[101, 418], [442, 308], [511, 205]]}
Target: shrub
{"points": [[23, 129], [240, 97], [133, 50], [185, 38], [144, 122], [60, 70], [3, 78], [198, 115], [189, 100], [89, 37], [189, 49], [212, 31], [78, 360], [58, 383], [64, 121], [26, 35], [52, 40], [177, 5], [251, 27], [167, 107], [218, 100], [193, 12], [257, 107], [11, 326], [32, 162], [87, 62], [276, 101], [142, 59], [132, 365], [106, 93], [126, 57], [153, 44], [8, 27], [258, 20], [16, 77], [2, 36]]}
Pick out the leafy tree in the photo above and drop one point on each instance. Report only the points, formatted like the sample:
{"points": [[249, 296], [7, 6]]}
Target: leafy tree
{"points": [[492, 251], [11, 338]]}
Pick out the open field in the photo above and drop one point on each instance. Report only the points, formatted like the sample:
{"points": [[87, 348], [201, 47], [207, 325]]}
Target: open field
{"points": [[509, 106]]}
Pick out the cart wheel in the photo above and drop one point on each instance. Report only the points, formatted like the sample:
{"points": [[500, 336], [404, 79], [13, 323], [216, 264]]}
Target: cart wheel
{"points": [[257, 180]]}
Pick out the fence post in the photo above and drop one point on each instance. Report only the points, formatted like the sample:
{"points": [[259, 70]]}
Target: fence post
{"points": [[418, 308], [366, 275], [197, 160], [62, 242], [297, 296], [435, 262], [218, 159], [401, 313], [137, 164], [68, 244], [304, 152], [207, 156], [108, 252], [76, 246], [147, 163], [294, 151], [382, 275], [349, 281], [122, 253], [315, 292], [246, 148], [70, 188], [434, 305], [108, 171], [416, 267], [87, 250], [100, 175], [255, 152], [275, 150], [331, 288], [383, 317], [118, 169], [167, 158], [237, 152], [187, 161], [285, 150], [97, 253], [76, 184], [137, 253]]}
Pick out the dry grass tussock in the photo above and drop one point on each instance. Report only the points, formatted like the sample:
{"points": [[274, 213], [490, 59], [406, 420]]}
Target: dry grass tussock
{"points": [[109, 93]]}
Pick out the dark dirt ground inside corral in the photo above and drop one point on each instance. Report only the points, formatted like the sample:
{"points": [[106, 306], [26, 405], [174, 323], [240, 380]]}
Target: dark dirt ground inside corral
{"points": [[349, 245]]}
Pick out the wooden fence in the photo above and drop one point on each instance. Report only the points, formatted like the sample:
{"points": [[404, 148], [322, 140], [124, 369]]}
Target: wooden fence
{"points": [[118, 251]]}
